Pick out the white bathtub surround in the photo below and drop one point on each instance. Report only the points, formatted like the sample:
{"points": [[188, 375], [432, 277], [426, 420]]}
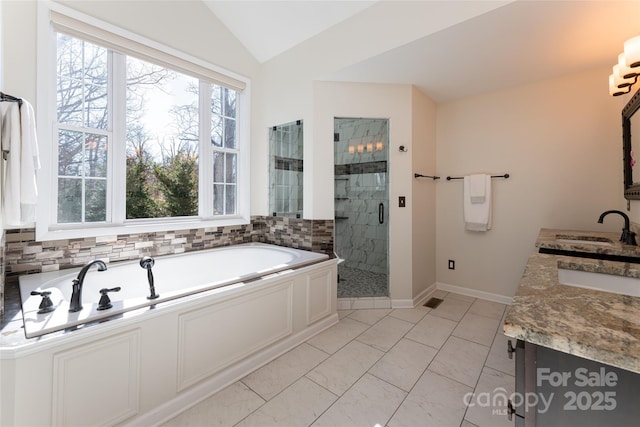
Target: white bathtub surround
{"points": [[148, 365], [175, 276]]}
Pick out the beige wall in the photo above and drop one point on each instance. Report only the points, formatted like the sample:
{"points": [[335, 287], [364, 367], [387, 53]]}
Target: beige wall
{"points": [[559, 139], [423, 192], [371, 101]]}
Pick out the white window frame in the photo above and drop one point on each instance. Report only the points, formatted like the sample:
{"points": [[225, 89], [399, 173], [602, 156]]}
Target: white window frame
{"points": [[46, 228]]}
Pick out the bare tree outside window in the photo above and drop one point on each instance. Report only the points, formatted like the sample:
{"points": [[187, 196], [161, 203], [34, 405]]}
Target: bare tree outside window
{"points": [[162, 153], [162, 122], [82, 130]]}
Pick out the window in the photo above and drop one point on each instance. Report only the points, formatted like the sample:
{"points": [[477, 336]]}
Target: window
{"points": [[142, 140]]}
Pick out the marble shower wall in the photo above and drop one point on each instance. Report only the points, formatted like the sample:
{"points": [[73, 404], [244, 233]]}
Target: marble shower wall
{"points": [[361, 147]]}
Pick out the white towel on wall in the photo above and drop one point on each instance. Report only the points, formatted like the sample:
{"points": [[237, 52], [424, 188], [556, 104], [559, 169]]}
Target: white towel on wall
{"points": [[19, 139], [477, 215], [477, 188]]}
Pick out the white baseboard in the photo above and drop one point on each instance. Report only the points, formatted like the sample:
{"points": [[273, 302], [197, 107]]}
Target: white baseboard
{"points": [[416, 301], [502, 299], [228, 376]]}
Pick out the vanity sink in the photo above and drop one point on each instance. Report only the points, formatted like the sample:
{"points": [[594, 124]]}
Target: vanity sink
{"points": [[613, 283], [584, 240]]}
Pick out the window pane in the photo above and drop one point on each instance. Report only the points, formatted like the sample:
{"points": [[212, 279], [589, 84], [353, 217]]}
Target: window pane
{"points": [[95, 200], [216, 131], [218, 167], [96, 106], [70, 153], [229, 102], [231, 172], [230, 133], [69, 200], [69, 56], [96, 155], [230, 199], [95, 63], [162, 119], [218, 199], [69, 98], [216, 100], [82, 83]]}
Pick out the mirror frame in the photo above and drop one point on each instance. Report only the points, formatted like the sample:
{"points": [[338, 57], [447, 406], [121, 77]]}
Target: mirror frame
{"points": [[631, 189]]}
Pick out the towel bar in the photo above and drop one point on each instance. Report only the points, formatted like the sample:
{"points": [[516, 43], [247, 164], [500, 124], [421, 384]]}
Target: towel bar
{"points": [[419, 175], [505, 176]]}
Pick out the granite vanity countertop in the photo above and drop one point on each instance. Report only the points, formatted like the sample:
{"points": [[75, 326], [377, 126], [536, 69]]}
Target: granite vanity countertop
{"points": [[570, 240], [596, 325]]}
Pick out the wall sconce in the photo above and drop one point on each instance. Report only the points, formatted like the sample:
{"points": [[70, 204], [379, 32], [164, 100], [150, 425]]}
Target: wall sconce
{"points": [[352, 149], [626, 71], [370, 147], [360, 148], [379, 146]]}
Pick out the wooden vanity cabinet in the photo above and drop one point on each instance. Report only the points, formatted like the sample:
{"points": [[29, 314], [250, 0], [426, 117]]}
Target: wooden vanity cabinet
{"points": [[559, 389]]}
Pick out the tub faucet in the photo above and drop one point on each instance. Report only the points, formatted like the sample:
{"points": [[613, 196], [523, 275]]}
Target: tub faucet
{"points": [[628, 237], [76, 295], [147, 263]]}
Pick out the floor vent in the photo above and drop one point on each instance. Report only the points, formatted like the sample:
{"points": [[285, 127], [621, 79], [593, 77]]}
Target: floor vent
{"points": [[433, 302]]}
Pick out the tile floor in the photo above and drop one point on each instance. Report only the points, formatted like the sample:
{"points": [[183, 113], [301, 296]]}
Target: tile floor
{"points": [[379, 367], [353, 282]]}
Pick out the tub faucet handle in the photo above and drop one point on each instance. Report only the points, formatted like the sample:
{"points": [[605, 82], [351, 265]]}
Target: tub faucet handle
{"points": [[105, 301], [46, 305]]}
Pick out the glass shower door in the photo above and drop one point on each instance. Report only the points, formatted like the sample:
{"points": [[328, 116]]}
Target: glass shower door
{"points": [[361, 206]]}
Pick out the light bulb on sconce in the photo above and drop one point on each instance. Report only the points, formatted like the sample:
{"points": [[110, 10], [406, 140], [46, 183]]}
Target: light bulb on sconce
{"points": [[370, 147], [625, 72], [352, 149], [360, 148], [379, 146]]}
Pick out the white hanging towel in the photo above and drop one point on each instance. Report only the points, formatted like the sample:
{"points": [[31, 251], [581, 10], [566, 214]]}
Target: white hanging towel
{"points": [[20, 141], [477, 202]]}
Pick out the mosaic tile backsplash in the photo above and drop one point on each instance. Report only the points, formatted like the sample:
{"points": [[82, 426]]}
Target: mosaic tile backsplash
{"points": [[21, 254]]}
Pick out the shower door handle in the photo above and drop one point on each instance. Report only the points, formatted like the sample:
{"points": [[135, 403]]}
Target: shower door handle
{"points": [[381, 213]]}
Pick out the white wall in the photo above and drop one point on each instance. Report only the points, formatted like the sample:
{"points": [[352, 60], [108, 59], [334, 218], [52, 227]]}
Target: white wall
{"points": [[561, 142]]}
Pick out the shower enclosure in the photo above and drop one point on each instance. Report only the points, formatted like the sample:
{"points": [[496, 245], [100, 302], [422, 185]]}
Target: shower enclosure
{"points": [[361, 206], [286, 168]]}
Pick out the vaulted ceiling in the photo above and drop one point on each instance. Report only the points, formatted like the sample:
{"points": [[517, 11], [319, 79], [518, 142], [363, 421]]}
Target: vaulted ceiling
{"points": [[449, 49]]}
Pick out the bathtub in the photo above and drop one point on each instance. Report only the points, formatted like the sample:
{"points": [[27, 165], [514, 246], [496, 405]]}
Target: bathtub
{"points": [[221, 314], [175, 276]]}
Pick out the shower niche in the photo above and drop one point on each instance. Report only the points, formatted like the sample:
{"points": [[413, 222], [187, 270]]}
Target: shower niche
{"points": [[286, 170]]}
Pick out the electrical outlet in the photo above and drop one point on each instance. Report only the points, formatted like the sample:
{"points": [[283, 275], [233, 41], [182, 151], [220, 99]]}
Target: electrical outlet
{"points": [[402, 201], [452, 264]]}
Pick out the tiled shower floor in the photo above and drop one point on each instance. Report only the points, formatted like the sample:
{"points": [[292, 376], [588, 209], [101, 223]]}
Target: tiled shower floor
{"points": [[355, 283], [378, 367]]}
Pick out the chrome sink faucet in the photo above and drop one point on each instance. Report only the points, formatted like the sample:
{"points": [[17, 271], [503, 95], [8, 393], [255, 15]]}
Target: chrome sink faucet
{"points": [[628, 237], [76, 295]]}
